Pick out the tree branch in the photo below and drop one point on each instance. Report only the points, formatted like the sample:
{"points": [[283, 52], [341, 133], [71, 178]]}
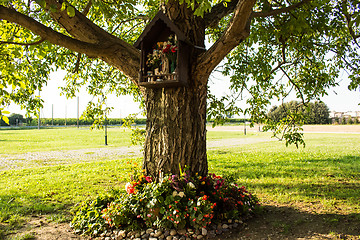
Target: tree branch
{"points": [[24, 44], [219, 11], [86, 10], [117, 52], [111, 49], [237, 30], [279, 10], [48, 33], [294, 84]]}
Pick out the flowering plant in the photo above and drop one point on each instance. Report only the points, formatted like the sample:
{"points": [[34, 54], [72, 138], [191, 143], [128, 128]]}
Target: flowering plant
{"points": [[173, 202], [179, 202], [167, 49]]}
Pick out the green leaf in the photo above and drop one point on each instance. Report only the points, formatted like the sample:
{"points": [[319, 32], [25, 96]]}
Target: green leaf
{"points": [[6, 119], [70, 11], [22, 85], [63, 6], [42, 3]]}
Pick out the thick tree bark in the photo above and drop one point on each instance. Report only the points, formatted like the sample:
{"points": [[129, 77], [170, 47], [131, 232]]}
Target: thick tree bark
{"points": [[176, 130], [176, 117]]}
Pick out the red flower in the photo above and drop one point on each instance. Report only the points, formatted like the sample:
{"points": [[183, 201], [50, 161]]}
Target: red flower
{"points": [[129, 188], [148, 179], [174, 49], [167, 49]]}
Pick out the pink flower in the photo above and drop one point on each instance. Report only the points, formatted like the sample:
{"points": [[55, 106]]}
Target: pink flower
{"points": [[148, 179]]}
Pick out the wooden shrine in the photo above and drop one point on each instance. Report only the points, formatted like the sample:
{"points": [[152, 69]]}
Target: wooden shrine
{"points": [[165, 54]]}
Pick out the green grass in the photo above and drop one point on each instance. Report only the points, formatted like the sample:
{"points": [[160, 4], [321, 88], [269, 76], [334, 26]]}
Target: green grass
{"points": [[34, 140], [326, 172], [325, 175]]}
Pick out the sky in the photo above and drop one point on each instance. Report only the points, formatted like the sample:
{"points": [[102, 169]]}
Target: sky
{"points": [[339, 99]]}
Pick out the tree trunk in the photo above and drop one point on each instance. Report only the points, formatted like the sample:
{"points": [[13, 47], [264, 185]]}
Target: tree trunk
{"points": [[176, 117], [176, 130]]}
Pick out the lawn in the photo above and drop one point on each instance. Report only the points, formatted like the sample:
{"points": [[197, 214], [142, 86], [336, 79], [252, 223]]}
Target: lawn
{"points": [[324, 176], [34, 140], [326, 172]]}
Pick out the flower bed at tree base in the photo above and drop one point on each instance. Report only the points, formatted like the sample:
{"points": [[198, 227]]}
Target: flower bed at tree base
{"points": [[175, 207]]}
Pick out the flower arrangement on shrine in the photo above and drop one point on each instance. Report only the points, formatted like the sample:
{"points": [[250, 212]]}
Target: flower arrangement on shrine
{"points": [[162, 59]]}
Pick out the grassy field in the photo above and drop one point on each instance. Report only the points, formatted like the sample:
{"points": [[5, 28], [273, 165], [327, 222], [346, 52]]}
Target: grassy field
{"points": [[326, 172], [324, 176], [34, 140]]}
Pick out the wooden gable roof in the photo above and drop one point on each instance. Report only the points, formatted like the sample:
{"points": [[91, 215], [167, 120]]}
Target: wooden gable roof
{"points": [[154, 28]]}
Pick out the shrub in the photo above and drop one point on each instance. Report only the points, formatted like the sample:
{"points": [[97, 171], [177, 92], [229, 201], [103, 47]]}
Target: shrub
{"points": [[173, 202], [87, 219]]}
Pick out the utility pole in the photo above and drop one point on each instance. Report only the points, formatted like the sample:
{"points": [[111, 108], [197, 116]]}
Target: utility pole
{"points": [[39, 113], [78, 112], [106, 131], [244, 125]]}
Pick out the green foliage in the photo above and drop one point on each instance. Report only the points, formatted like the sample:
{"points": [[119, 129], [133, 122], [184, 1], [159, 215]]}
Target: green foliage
{"points": [[287, 128], [285, 121], [172, 202], [313, 112], [301, 51], [137, 134], [87, 215]]}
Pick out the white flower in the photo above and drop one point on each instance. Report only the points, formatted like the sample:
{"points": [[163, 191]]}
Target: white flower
{"points": [[181, 194], [127, 185], [191, 185], [174, 194]]}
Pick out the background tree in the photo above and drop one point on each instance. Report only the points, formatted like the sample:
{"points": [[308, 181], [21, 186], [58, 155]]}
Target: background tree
{"points": [[16, 119], [313, 112], [271, 47], [317, 113]]}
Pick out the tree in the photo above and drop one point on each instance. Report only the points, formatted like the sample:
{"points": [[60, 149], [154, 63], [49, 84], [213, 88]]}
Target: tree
{"points": [[313, 112], [303, 42], [318, 113], [16, 119]]}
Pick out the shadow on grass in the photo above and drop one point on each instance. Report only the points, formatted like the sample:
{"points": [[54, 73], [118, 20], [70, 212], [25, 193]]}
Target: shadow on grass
{"points": [[279, 222], [311, 184], [332, 178], [22, 205]]}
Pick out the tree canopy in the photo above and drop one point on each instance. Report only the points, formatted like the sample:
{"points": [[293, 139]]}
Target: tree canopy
{"points": [[269, 48]]}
